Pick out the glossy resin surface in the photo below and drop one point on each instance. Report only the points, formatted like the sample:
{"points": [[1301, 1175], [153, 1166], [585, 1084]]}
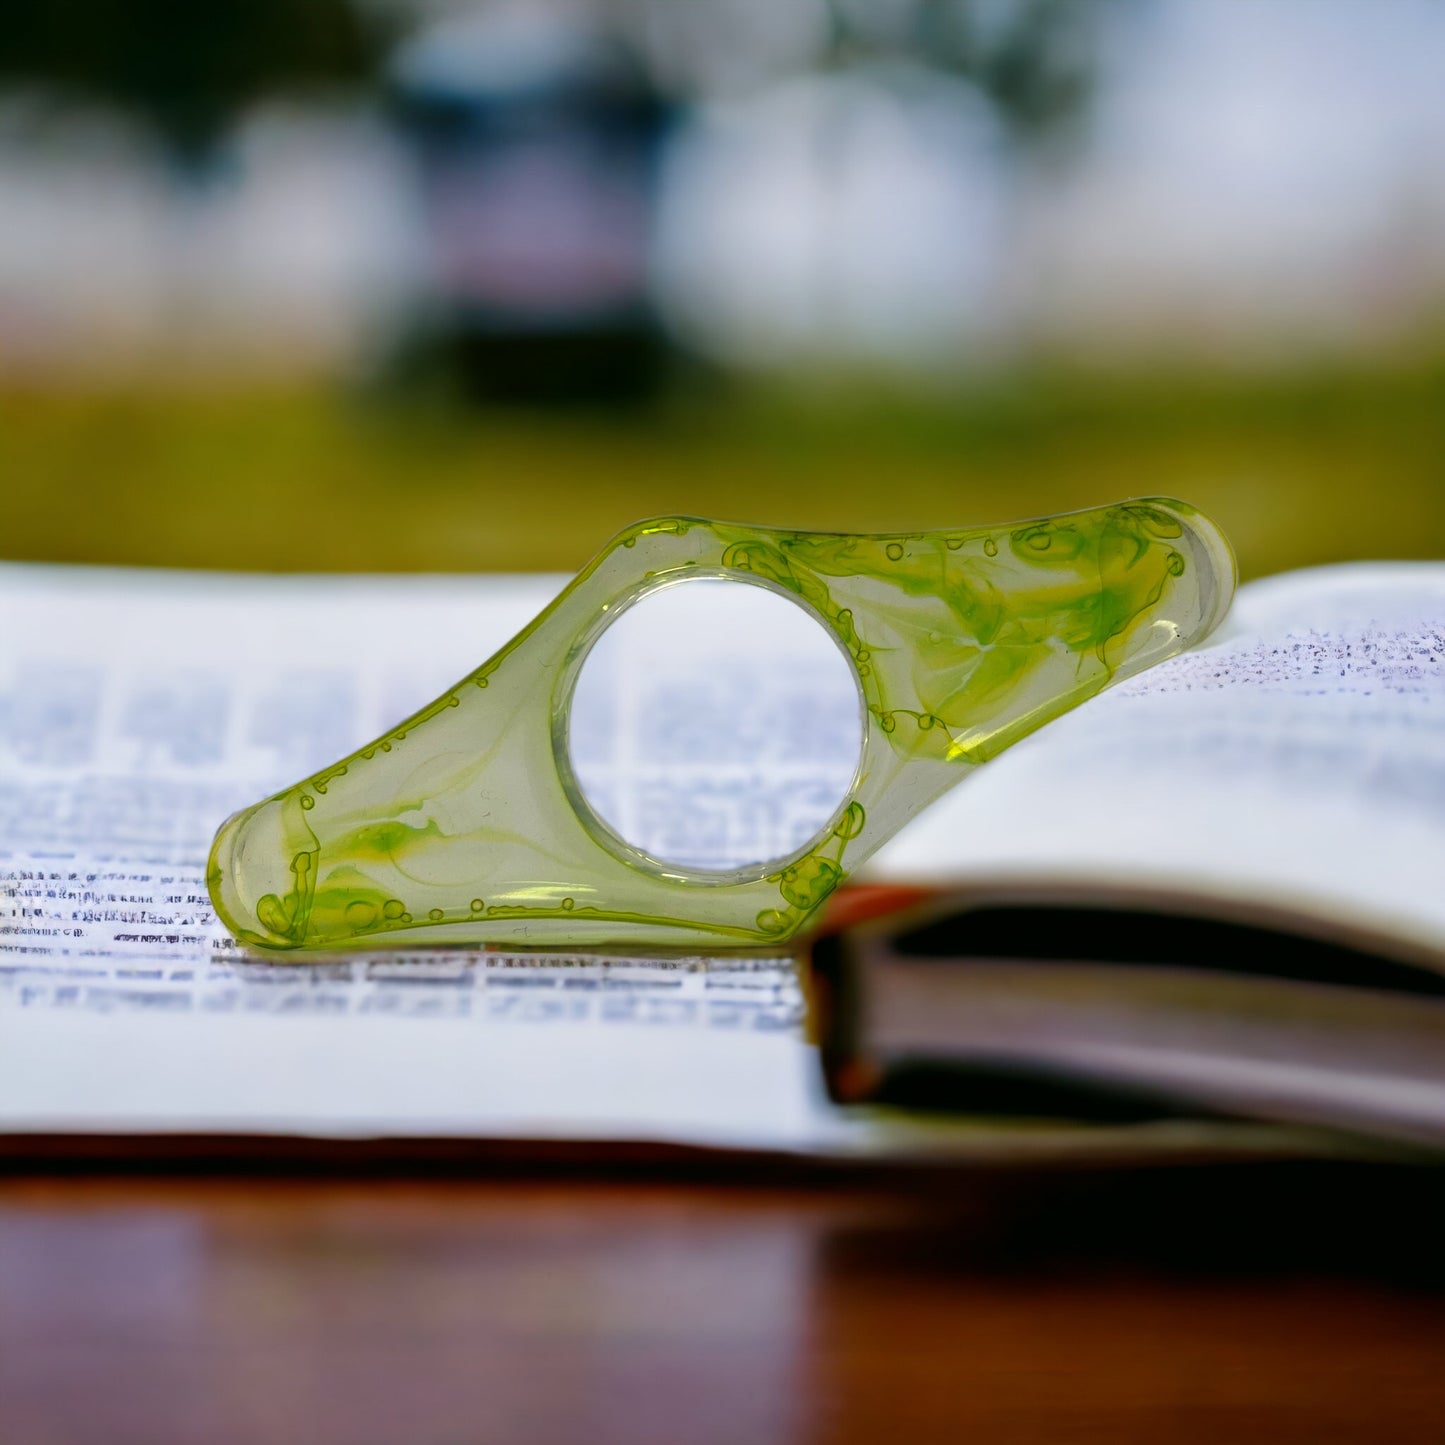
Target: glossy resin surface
{"points": [[465, 822]]}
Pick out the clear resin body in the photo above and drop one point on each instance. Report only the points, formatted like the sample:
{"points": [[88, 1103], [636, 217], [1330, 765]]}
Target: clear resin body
{"points": [[465, 822]]}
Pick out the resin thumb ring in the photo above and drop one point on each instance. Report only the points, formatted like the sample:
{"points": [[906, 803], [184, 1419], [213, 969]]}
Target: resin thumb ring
{"points": [[466, 823]]}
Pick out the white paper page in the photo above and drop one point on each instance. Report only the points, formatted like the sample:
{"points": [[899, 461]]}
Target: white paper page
{"points": [[136, 711], [138, 708], [1298, 757]]}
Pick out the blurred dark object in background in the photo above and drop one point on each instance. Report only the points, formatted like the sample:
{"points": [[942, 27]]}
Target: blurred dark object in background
{"points": [[537, 137]]}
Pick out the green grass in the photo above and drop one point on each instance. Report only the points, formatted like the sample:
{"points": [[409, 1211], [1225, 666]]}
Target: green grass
{"points": [[1298, 470]]}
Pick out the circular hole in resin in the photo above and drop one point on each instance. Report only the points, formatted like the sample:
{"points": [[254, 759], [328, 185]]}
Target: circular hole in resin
{"points": [[716, 726]]}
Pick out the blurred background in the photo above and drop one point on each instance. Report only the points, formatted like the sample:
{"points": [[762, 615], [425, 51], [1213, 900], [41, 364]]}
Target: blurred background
{"points": [[401, 284]]}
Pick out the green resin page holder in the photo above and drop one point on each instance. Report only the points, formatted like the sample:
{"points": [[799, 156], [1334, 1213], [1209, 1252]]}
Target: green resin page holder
{"points": [[466, 823]]}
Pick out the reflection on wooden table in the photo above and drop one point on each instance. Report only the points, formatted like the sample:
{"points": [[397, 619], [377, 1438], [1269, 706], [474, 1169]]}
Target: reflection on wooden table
{"points": [[1255, 1303]]}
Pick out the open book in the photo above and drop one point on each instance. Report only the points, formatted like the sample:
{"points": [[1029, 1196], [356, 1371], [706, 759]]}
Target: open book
{"points": [[138, 709], [1222, 882]]}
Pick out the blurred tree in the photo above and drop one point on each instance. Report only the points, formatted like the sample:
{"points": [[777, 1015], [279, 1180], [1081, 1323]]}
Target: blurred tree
{"points": [[1033, 59], [187, 67]]}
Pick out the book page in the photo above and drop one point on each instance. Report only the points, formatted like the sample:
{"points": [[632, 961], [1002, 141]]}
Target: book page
{"points": [[138, 708], [1297, 759], [136, 711]]}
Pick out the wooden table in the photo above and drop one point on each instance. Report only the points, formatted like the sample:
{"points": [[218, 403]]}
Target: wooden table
{"points": [[1176, 1305]]}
